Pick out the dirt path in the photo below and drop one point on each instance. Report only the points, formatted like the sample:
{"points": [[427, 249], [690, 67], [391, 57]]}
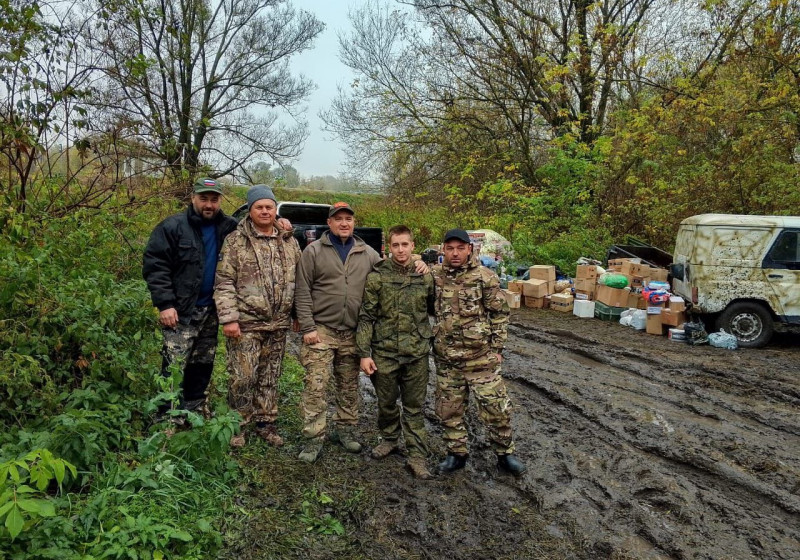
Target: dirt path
{"points": [[636, 446]]}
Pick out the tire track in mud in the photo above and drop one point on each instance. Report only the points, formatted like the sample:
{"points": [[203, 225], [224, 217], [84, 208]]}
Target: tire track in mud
{"points": [[735, 397], [656, 456]]}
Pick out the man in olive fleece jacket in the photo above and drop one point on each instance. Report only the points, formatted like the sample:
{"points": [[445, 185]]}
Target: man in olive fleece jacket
{"points": [[330, 284]]}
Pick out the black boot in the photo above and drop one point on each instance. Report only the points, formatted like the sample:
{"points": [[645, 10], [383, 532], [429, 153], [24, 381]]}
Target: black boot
{"points": [[510, 464], [453, 462]]}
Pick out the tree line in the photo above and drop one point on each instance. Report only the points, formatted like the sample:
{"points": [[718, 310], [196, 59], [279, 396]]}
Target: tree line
{"points": [[544, 120], [552, 117]]}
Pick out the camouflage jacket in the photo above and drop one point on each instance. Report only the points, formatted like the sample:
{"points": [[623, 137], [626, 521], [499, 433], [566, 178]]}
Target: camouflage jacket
{"points": [[471, 312], [255, 280], [393, 319]]}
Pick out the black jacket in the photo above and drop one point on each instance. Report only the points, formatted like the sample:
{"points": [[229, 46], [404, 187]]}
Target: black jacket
{"points": [[174, 259]]}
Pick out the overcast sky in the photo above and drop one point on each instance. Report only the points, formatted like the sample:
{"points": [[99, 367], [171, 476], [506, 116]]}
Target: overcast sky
{"points": [[322, 154]]}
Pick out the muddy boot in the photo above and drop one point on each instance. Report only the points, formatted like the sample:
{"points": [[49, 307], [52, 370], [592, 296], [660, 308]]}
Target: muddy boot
{"points": [[345, 438], [269, 433], [311, 451], [453, 462], [419, 468], [510, 464], [384, 449]]}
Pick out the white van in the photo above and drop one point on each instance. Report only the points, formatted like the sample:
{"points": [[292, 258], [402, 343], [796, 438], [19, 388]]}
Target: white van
{"points": [[745, 268]]}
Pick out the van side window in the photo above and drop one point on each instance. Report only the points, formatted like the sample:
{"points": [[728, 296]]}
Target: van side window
{"points": [[785, 251]]}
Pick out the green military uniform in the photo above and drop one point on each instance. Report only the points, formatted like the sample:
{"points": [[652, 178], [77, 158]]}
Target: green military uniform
{"points": [[394, 330], [255, 287], [471, 322]]}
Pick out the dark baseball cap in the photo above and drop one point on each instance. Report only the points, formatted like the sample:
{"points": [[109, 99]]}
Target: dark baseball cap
{"points": [[459, 234], [339, 207], [204, 185]]}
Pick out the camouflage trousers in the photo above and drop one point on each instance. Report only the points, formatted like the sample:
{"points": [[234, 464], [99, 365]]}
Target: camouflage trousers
{"points": [[255, 362], [454, 381], [409, 382], [337, 351], [192, 347]]}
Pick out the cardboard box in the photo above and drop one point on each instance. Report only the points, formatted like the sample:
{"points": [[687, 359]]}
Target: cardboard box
{"points": [[654, 308], [586, 271], [658, 274], [562, 307], [513, 299], [615, 265], [585, 285], [536, 302], [676, 304], [562, 302], [561, 298], [672, 318], [636, 282], [515, 286], [635, 301], [631, 268], [654, 325], [543, 272], [614, 297], [536, 288]]}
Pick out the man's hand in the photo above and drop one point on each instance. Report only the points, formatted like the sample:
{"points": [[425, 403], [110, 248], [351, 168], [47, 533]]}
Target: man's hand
{"points": [[368, 366], [285, 224], [499, 358], [311, 338], [421, 268], [231, 330], [169, 318]]}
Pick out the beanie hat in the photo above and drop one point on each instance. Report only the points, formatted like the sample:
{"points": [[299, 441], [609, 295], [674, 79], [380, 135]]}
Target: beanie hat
{"points": [[259, 192]]}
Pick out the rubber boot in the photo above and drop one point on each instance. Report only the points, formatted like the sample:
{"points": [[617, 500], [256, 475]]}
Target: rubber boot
{"points": [[453, 462], [510, 464]]}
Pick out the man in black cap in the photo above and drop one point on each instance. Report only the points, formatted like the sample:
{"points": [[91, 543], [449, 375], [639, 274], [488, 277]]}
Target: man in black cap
{"points": [[472, 318], [179, 265]]}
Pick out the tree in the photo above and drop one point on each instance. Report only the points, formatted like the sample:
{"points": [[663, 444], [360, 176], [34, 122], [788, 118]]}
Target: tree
{"points": [[202, 82], [43, 84]]}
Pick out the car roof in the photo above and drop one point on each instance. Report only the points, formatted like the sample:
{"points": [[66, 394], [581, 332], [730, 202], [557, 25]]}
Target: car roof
{"points": [[742, 220]]}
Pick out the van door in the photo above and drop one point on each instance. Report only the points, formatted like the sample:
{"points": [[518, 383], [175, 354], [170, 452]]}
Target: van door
{"points": [[782, 269]]}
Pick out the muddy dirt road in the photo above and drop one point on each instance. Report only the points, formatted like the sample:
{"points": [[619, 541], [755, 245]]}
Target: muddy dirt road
{"points": [[636, 446]]}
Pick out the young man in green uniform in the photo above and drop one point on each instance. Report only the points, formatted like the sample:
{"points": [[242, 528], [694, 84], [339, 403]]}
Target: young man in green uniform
{"points": [[393, 341]]}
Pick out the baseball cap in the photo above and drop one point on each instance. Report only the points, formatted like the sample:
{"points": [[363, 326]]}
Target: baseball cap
{"points": [[459, 234], [204, 184], [339, 207]]}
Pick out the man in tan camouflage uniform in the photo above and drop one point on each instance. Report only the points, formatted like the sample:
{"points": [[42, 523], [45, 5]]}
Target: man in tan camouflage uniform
{"points": [[254, 292], [393, 341], [469, 335]]}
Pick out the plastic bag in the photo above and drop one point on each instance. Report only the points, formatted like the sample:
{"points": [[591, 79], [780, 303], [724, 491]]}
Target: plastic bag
{"points": [[656, 285], [626, 317], [613, 280], [722, 339], [639, 319], [695, 333]]}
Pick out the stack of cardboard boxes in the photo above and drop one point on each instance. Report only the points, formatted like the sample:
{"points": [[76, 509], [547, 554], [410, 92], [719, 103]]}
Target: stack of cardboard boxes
{"points": [[539, 292]]}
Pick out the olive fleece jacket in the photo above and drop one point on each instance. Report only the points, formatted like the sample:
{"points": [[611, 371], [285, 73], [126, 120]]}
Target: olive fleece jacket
{"points": [[329, 292]]}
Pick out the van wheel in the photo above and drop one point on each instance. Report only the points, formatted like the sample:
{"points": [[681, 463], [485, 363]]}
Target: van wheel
{"points": [[749, 322]]}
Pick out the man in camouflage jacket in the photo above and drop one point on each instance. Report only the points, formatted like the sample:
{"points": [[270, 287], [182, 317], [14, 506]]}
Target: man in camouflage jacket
{"points": [[254, 293], [469, 335], [393, 342]]}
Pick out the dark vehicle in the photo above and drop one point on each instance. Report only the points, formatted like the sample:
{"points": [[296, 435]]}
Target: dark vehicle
{"points": [[634, 248], [310, 222]]}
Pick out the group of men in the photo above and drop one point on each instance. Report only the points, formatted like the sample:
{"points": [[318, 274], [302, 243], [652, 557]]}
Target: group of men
{"points": [[356, 312]]}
